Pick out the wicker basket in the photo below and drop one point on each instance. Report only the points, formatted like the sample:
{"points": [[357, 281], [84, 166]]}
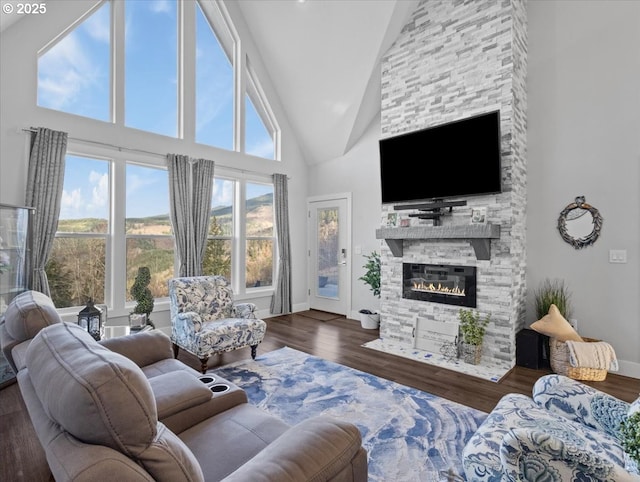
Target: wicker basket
{"points": [[559, 359]]}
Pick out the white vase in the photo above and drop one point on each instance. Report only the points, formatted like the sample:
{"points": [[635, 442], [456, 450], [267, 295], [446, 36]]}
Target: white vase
{"points": [[370, 321]]}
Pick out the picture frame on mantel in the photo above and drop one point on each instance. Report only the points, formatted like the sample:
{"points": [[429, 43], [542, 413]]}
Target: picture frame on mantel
{"points": [[392, 220], [479, 216]]}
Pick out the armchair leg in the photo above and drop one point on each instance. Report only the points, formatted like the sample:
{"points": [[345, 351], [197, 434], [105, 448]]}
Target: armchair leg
{"points": [[204, 366], [253, 351], [176, 350]]}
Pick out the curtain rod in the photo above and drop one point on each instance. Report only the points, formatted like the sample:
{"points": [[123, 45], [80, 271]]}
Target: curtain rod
{"points": [[164, 156]]}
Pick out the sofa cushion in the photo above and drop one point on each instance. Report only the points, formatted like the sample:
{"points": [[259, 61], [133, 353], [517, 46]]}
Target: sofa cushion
{"points": [[103, 398], [97, 395], [28, 313]]}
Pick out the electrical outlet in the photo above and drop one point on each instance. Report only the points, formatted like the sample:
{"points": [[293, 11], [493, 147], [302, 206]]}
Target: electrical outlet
{"points": [[617, 256], [574, 323]]}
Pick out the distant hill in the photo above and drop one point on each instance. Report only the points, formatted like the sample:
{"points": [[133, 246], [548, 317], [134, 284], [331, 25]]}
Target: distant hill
{"points": [[99, 225]]}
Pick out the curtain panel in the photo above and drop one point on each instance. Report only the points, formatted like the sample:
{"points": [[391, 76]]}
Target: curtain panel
{"points": [[281, 299], [45, 181], [190, 186]]}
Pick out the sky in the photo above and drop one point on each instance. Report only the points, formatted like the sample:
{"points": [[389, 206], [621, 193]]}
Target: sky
{"points": [[74, 76]]}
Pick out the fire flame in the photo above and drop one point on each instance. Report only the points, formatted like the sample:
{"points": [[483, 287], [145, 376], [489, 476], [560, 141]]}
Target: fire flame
{"points": [[431, 288]]}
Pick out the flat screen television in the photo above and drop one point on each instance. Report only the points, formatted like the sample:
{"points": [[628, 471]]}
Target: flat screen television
{"points": [[460, 158]]}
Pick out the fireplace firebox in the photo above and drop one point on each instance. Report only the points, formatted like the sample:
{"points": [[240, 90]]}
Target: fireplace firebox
{"points": [[439, 283]]}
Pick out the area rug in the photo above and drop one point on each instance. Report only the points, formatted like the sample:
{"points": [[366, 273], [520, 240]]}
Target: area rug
{"points": [[409, 435], [492, 373]]}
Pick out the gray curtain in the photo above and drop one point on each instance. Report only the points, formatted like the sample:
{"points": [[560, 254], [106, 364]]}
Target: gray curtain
{"points": [[281, 300], [190, 184], [202, 172], [45, 180]]}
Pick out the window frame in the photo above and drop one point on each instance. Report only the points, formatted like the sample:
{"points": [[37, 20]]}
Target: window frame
{"points": [[256, 94], [116, 236]]}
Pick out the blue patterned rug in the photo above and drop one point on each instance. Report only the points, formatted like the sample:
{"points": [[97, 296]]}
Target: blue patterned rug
{"points": [[409, 435]]}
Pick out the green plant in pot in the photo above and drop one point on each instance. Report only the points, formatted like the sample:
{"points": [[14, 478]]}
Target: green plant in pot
{"points": [[472, 329], [630, 437], [143, 296], [552, 292], [371, 277]]}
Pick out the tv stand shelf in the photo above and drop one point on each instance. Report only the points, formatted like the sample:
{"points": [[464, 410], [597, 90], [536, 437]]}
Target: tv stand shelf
{"points": [[479, 236]]}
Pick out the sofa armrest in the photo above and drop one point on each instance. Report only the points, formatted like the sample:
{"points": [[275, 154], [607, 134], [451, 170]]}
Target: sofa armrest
{"points": [[186, 322], [579, 402], [243, 310], [319, 448], [525, 454], [183, 400], [178, 391], [142, 348]]}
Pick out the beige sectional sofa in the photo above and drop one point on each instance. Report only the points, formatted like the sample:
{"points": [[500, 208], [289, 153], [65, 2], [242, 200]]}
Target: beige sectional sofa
{"points": [[125, 409]]}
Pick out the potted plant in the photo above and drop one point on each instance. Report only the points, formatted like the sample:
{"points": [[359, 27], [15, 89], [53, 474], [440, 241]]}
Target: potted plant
{"points": [[630, 438], [552, 292], [472, 329], [371, 277], [142, 294]]}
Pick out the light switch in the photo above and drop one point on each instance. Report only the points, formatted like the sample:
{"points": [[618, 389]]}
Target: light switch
{"points": [[617, 256], [357, 249]]}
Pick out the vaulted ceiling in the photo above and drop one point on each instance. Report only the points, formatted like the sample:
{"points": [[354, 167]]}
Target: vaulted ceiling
{"points": [[323, 57]]}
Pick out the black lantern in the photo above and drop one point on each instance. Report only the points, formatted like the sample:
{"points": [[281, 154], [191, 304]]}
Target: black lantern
{"points": [[90, 318]]}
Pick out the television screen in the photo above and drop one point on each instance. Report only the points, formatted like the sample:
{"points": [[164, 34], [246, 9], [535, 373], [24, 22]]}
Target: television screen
{"points": [[460, 158]]}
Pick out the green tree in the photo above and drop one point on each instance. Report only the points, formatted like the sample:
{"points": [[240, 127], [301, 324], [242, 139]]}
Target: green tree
{"points": [[59, 283], [217, 255]]}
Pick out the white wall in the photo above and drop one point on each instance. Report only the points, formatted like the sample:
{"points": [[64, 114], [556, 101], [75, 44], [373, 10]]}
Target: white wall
{"points": [[357, 172], [20, 44], [583, 137]]}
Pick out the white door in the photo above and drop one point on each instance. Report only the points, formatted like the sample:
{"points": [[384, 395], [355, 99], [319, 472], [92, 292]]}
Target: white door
{"points": [[329, 235]]}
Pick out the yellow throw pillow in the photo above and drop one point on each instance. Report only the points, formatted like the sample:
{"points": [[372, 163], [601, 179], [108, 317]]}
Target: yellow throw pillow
{"points": [[554, 325]]}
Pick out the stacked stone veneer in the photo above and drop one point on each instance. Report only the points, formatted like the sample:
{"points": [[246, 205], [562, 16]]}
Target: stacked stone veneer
{"points": [[455, 59]]}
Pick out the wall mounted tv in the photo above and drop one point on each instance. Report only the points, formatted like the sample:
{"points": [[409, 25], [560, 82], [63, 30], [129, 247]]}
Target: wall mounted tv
{"points": [[460, 158]]}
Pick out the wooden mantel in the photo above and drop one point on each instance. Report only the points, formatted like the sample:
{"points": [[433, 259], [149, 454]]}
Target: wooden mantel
{"points": [[479, 236]]}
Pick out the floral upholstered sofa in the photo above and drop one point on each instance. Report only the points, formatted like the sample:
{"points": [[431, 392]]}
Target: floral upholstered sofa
{"points": [[567, 432], [205, 320]]}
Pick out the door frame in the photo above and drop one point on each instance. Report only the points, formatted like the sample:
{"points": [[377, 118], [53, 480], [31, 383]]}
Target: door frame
{"points": [[346, 196]]}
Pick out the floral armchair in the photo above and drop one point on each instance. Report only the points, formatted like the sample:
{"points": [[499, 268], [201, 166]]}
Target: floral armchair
{"points": [[567, 432], [205, 321]]}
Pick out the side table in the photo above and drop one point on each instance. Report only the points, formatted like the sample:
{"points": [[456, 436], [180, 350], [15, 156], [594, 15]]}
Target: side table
{"points": [[122, 330]]}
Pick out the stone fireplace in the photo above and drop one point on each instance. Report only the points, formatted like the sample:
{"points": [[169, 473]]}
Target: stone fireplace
{"points": [[439, 283], [454, 60]]}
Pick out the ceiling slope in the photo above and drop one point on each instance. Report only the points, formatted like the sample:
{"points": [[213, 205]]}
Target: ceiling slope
{"points": [[323, 57]]}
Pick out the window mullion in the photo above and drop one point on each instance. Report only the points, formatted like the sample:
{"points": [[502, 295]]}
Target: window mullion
{"points": [[187, 70], [239, 244], [117, 62], [117, 272]]}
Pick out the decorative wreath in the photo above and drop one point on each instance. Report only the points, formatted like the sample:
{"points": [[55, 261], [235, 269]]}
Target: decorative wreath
{"points": [[587, 240]]}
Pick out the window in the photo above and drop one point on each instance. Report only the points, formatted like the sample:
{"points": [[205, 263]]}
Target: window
{"points": [[259, 235], [260, 127], [214, 87], [74, 74], [218, 253], [178, 76], [151, 66], [149, 240], [76, 267], [162, 67], [256, 247]]}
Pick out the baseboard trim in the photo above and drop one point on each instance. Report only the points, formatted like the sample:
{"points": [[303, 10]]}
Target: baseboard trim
{"points": [[628, 369]]}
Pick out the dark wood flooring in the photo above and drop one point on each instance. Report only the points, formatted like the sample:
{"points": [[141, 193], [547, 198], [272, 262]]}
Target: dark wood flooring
{"points": [[328, 336]]}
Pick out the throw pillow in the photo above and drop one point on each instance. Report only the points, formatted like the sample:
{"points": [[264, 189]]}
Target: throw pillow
{"points": [[554, 325]]}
